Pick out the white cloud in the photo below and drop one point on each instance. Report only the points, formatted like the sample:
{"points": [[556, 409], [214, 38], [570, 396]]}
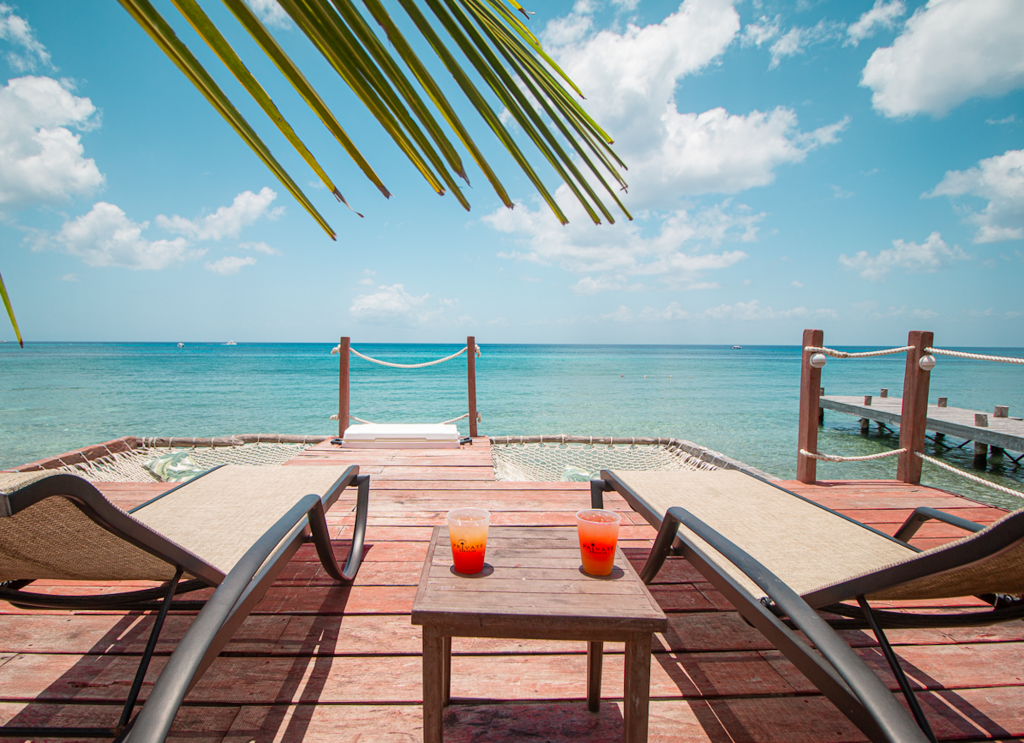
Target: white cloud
{"points": [[227, 221], [16, 30], [622, 314], [796, 40], [390, 305], [882, 15], [797, 284], [69, 277], [41, 161], [230, 264], [684, 248], [672, 312], [928, 257], [106, 237], [999, 179], [757, 34], [259, 247], [1011, 119], [270, 13], [949, 51], [630, 80]]}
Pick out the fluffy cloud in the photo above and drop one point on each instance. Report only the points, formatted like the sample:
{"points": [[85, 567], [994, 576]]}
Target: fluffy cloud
{"points": [[391, 305], [630, 79], [270, 13], [928, 257], [882, 15], [683, 250], [999, 179], [949, 51], [106, 237], [41, 160], [227, 221], [29, 51], [230, 264]]}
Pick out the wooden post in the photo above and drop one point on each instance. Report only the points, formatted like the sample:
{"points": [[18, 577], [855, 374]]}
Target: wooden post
{"points": [[914, 417], [471, 372], [980, 455], [343, 402], [810, 383]]}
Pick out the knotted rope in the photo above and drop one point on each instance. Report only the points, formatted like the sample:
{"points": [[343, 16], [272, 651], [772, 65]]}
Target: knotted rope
{"points": [[978, 356], [858, 355], [969, 476], [837, 458], [337, 349]]}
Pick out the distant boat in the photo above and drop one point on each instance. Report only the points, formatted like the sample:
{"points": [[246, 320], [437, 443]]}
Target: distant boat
{"points": [[230, 343], [737, 348], [181, 345]]}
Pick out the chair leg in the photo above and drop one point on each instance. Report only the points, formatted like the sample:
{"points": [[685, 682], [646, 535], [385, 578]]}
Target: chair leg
{"points": [[322, 539], [661, 549], [897, 669], [124, 725]]}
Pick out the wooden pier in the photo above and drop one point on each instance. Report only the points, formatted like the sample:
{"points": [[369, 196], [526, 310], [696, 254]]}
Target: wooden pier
{"points": [[1000, 433], [316, 661]]}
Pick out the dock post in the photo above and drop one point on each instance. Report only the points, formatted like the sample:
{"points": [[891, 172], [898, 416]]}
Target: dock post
{"points": [[471, 372], [865, 426], [810, 384], [980, 455], [914, 416], [343, 401]]}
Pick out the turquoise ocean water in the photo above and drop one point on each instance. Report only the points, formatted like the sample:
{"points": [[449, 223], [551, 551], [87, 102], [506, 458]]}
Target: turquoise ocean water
{"points": [[55, 397]]}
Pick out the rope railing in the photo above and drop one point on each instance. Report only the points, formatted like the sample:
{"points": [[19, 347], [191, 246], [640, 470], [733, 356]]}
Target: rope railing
{"points": [[976, 356], [337, 349], [837, 458], [856, 355], [969, 476]]}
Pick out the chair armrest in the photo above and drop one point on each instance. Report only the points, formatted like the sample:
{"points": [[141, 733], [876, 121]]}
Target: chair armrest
{"points": [[924, 513], [598, 488], [878, 701], [157, 715]]}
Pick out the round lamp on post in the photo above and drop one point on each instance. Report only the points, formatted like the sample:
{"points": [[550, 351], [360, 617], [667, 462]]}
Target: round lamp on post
{"points": [[927, 363], [818, 360]]}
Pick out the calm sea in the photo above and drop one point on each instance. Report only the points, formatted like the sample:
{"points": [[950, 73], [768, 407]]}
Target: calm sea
{"points": [[55, 397]]}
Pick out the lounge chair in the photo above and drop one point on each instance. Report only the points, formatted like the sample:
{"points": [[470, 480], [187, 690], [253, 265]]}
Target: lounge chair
{"points": [[235, 528], [781, 558]]}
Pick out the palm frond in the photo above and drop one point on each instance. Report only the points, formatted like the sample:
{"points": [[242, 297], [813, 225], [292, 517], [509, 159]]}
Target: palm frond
{"points": [[10, 311], [389, 78]]}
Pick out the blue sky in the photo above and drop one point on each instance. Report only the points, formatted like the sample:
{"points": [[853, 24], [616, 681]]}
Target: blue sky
{"points": [[853, 166]]}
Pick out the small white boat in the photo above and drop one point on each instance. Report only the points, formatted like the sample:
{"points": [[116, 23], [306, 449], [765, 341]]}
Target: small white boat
{"points": [[181, 345], [230, 343], [737, 348]]}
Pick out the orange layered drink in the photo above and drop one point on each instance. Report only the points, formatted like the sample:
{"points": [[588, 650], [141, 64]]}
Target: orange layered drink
{"points": [[599, 533], [467, 528]]}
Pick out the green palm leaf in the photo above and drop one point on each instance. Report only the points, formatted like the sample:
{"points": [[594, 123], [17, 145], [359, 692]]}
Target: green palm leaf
{"points": [[10, 311], [391, 81]]}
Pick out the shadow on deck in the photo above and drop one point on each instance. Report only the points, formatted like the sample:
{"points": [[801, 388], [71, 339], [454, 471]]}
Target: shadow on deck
{"points": [[316, 661]]}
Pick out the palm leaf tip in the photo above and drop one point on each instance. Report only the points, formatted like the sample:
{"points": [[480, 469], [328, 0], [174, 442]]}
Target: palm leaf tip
{"points": [[339, 197], [10, 312]]}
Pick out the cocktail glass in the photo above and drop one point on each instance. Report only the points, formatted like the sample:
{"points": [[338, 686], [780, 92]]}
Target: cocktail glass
{"points": [[467, 528], [599, 533]]}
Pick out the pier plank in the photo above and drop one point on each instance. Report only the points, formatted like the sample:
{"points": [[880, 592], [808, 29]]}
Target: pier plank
{"points": [[308, 663]]}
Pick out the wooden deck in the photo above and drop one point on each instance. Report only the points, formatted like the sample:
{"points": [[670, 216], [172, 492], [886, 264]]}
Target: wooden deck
{"points": [[319, 662]]}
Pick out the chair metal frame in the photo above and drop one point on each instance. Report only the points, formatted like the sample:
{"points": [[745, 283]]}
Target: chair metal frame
{"points": [[835, 669], [236, 593]]}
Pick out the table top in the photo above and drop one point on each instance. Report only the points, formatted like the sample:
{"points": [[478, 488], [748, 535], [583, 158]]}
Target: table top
{"points": [[533, 586]]}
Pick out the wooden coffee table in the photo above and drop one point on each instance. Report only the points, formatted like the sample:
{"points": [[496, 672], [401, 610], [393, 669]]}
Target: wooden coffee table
{"points": [[533, 587]]}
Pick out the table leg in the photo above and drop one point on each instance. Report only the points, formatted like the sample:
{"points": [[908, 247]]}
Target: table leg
{"points": [[447, 670], [433, 684], [637, 683], [595, 660]]}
